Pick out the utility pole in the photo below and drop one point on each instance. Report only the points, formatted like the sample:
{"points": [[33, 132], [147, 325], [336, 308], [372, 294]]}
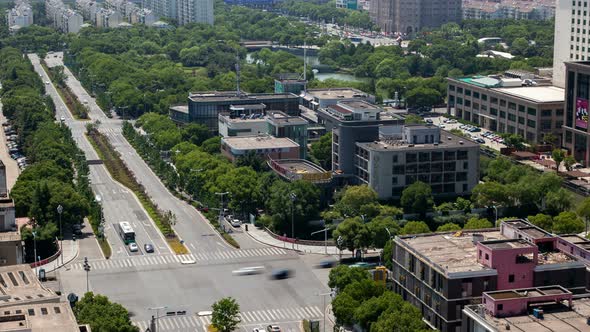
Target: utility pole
{"points": [[60, 209], [323, 295], [325, 230], [221, 210], [157, 309], [293, 198], [35, 244], [87, 269]]}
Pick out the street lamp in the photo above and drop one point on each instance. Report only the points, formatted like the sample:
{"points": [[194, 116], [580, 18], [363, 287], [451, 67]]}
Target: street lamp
{"points": [[293, 197], [221, 210], [87, 269], [98, 199], [496, 210], [157, 309], [35, 243], [323, 295], [325, 230], [60, 209]]}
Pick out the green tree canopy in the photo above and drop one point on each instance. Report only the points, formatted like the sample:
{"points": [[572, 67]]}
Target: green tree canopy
{"points": [[475, 223], [543, 221], [103, 315], [567, 222], [417, 198], [414, 227], [321, 151], [354, 198], [449, 227], [225, 315]]}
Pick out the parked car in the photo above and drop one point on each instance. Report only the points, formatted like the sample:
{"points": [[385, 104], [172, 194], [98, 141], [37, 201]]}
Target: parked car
{"points": [[480, 140], [429, 121], [363, 265]]}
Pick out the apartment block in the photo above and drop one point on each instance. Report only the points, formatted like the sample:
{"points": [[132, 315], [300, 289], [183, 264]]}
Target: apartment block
{"points": [[572, 43], [183, 11], [441, 273], [21, 15], [411, 16], [62, 17], [576, 136], [508, 9], [448, 163], [508, 104]]}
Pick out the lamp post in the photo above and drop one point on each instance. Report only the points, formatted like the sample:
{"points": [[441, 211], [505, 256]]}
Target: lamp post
{"points": [[293, 197], [98, 199], [35, 244], [325, 230], [157, 309], [60, 209], [339, 242], [495, 210], [323, 295], [221, 210], [87, 269]]}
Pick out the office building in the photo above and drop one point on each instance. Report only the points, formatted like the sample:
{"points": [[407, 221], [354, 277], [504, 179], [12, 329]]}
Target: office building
{"points": [[293, 127], [352, 122], [20, 16], [508, 9], [205, 107], [519, 105], [550, 309], [314, 99], [411, 16], [347, 4], [27, 306], [576, 132], [63, 18], [448, 163], [441, 273], [243, 120], [572, 25], [290, 83], [183, 11], [268, 147]]}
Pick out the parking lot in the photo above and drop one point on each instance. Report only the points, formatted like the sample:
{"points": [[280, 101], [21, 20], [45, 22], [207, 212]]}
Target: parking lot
{"points": [[13, 147], [481, 136]]}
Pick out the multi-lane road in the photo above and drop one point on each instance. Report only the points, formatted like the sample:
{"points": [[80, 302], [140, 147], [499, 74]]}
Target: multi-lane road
{"points": [[190, 282]]}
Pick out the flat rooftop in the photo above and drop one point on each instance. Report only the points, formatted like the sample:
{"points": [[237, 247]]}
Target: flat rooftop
{"points": [[43, 317], [236, 119], [456, 252], [557, 317], [180, 108], [514, 244], [258, 142], [447, 140], [232, 96], [538, 94], [336, 93], [360, 105], [299, 166], [527, 292], [282, 118]]}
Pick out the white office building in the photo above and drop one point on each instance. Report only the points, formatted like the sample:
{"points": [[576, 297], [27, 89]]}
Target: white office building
{"points": [[572, 40]]}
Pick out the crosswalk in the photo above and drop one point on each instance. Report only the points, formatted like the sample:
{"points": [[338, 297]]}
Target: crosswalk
{"points": [[268, 316], [150, 260]]}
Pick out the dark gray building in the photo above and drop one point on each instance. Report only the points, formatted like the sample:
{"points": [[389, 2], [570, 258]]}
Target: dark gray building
{"points": [[204, 107], [576, 136]]}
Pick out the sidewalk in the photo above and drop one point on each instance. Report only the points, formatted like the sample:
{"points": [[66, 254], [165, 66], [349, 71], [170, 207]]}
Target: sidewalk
{"points": [[263, 237], [70, 252]]}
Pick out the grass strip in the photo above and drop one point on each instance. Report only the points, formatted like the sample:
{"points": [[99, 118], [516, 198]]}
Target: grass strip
{"points": [[119, 171], [78, 111]]}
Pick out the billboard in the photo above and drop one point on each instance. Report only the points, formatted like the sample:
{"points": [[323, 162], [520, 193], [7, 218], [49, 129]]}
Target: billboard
{"points": [[582, 113]]}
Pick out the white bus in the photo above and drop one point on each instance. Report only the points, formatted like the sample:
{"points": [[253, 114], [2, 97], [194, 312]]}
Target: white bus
{"points": [[126, 232]]}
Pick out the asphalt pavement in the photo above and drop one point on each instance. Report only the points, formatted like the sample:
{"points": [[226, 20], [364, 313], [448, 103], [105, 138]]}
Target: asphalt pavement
{"points": [[190, 282]]}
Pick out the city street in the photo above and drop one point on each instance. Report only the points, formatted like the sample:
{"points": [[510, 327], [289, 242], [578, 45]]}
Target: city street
{"points": [[189, 282]]}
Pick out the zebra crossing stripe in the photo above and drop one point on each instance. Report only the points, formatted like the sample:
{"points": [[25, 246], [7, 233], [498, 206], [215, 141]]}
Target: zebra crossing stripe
{"points": [[203, 321], [319, 312], [308, 311], [246, 316], [276, 313], [271, 314], [175, 322]]}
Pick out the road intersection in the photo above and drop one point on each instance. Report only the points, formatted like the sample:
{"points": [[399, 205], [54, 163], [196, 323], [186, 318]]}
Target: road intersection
{"points": [[190, 282]]}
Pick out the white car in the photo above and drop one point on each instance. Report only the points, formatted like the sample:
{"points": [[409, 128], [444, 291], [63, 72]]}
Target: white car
{"points": [[62, 119], [47, 82], [246, 271], [133, 247], [235, 222]]}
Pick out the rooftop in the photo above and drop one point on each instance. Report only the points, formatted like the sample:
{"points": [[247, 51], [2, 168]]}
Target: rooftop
{"points": [[258, 142], [557, 317], [447, 140], [210, 96], [296, 169], [43, 317], [180, 108], [336, 93], [456, 252], [282, 118], [538, 94], [19, 286], [510, 244]]}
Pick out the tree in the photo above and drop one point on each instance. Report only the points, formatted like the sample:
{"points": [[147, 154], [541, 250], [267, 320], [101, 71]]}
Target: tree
{"points": [[280, 204], [558, 156], [353, 199], [423, 97], [354, 233], [584, 210], [103, 315], [417, 198], [550, 138], [513, 141], [569, 162], [212, 145], [342, 275], [414, 227], [322, 150], [567, 222], [475, 223], [558, 201], [491, 193], [195, 133], [225, 315], [543, 221], [382, 228], [413, 119], [448, 227]]}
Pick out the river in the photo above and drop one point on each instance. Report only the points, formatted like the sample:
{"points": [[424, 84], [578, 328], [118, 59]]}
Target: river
{"points": [[313, 60]]}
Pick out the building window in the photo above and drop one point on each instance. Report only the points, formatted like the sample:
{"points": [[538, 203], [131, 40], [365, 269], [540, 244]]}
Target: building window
{"points": [[512, 117], [502, 114], [511, 278], [520, 120], [475, 94], [451, 87], [500, 307], [532, 111], [502, 103], [546, 113], [487, 257], [511, 106], [467, 92], [531, 123], [493, 111], [521, 108], [484, 97], [494, 100]]}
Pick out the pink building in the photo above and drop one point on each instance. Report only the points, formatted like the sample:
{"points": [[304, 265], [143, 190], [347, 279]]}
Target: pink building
{"points": [[517, 301], [515, 261]]}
